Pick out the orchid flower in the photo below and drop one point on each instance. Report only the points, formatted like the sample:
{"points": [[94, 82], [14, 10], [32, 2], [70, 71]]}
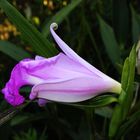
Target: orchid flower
{"points": [[65, 77]]}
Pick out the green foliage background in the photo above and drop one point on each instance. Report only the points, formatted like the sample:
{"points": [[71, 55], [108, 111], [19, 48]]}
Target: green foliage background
{"points": [[103, 33]]}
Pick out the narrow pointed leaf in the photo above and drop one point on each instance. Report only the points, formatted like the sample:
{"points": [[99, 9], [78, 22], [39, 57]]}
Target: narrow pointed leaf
{"points": [[129, 124], [109, 40], [39, 43], [13, 51], [10, 113], [7, 115], [129, 90], [126, 97], [116, 117], [98, 101], [125, 74], [105, 112]]}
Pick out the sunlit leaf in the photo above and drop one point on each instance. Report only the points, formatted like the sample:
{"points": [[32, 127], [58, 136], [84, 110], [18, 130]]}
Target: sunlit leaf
{"points": [[39, 43], [126, 96]]}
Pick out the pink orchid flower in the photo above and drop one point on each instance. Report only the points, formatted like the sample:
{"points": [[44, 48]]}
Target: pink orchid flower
{"points": [[65, 77]]}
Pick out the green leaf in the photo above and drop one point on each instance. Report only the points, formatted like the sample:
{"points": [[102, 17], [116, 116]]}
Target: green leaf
{"points": [[105, 112], [103, 100], [129, 90], [98, 101], [121, 19], [125, 74], [135, 25], [39, 43], [18, 119], [116, 117], [31, 134], [13, 51], [60, 16], [129, 124], [10, 113], [109, 40], [126, 97]]}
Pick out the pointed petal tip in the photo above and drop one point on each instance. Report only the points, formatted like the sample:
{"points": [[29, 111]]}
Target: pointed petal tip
{"points": [[54, 26]]}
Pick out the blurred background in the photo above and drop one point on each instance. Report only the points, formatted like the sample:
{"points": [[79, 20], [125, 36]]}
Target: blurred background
{"points": [[101, 31]]}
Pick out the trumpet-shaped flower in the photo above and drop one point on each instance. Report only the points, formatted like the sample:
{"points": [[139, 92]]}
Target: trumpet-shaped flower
{"points": [[65, 77]]}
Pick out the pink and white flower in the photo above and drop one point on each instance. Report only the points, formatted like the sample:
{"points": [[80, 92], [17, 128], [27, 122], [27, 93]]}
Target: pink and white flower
{"points": [[65, 77]]}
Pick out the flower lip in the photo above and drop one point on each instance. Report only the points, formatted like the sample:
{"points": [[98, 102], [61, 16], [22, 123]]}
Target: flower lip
{"points": [[11, 97]]}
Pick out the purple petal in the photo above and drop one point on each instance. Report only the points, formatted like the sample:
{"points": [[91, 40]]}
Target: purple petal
{"points": [[41, 70], [17, 79], [62, 78], [71, 54], [73, 90], [42, 102]]}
